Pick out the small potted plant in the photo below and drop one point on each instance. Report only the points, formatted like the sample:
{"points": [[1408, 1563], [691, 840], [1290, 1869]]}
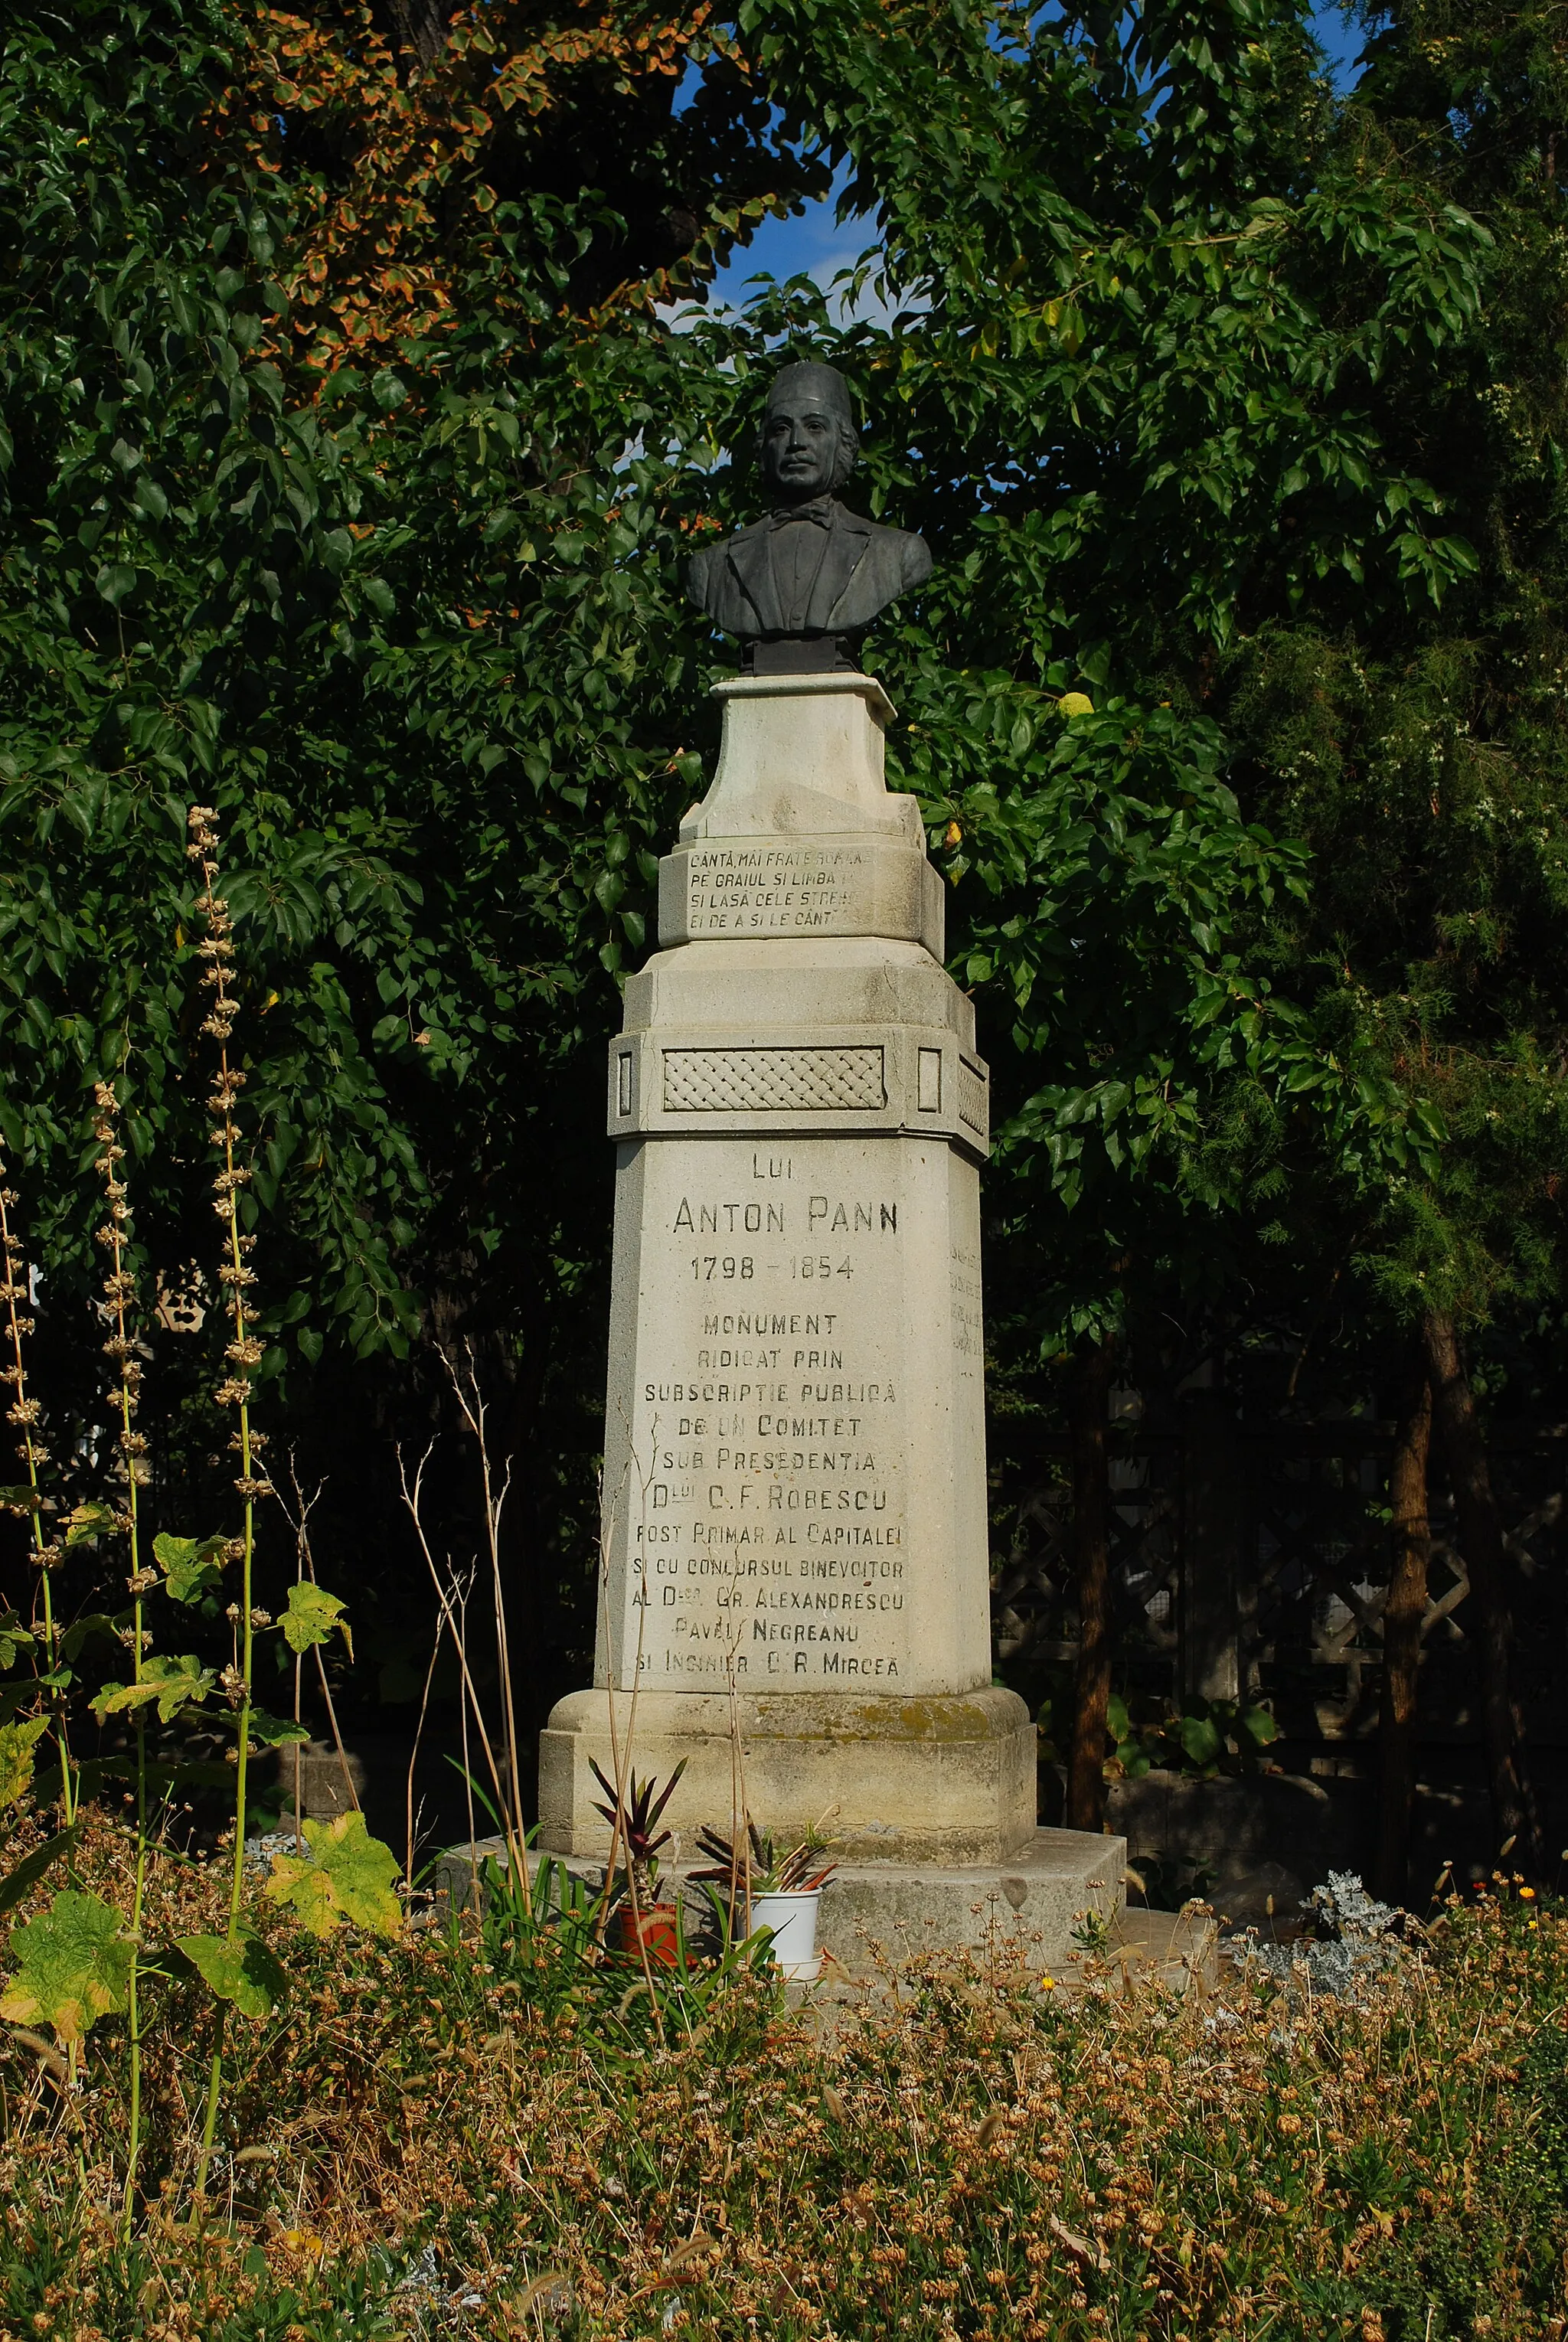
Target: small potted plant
{"points": [[772, 1891], [639, 1923]]}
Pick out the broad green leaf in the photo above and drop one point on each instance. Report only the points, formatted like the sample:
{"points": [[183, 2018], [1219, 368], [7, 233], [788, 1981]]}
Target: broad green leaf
{"points": [[84, 1524], [19, 1498], [349, 1875], [115, 581], [93, 1623], [73, 1967], [238, 1968], [16, 1743], [173, 1684], [275, 1731], [311, 1616], [190, 1565], [1200, 1741]]}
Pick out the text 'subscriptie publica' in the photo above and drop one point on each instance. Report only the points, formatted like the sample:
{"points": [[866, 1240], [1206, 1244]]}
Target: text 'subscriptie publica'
{"points": [[771, 1543]]}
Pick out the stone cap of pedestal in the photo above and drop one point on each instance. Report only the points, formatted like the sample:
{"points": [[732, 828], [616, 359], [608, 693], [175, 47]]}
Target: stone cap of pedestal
{"points": [[801, 756], [772, 980]]}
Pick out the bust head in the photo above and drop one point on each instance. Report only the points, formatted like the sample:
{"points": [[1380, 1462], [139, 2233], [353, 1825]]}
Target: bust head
{"points": [[807, 445]]}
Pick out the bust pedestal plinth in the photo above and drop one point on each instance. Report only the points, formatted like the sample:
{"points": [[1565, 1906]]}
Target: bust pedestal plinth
{"points": [[794, 1592]]}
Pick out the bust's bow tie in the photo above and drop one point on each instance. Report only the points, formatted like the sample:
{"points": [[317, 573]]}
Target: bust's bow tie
{"points": [[820, 512]]}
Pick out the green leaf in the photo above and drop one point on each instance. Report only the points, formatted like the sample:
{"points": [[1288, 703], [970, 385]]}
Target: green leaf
{"points": [[1201, 1744], [350, 1876], [20, 1499], [189, 1564], [93, 1622], [115, 581], [16, 1743], [173, 1684], [73, 1967], [84, 1524], [311, 1616], [238, 1968], [274, 1731]]}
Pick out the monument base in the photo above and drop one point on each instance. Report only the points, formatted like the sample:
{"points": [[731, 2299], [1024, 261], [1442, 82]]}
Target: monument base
{"points": [[1038, 1907], [1057, 1897], [945, 1779]]}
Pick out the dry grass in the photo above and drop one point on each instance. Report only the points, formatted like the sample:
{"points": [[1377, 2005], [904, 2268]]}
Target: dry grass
{"points": [[961, 2157]]}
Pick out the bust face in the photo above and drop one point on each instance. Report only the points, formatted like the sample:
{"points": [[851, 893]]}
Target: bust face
{"points": [[802, 446]]}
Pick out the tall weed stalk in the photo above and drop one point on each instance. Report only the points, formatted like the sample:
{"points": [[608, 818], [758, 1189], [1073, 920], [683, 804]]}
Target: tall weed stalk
{"points": [[242, 1352], [24, 1415], [453, 1609], [119, 1294], [83, 1958]]}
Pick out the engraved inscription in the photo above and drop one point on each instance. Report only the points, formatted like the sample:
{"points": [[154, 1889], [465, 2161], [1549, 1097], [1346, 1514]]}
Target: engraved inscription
{"points": [[771, 890], [800, 1081], [766, 1539], [964, 1291]]}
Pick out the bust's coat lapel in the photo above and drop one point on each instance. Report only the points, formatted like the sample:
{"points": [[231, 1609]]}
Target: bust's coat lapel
{"points": [[846, 548], [751, 559]]}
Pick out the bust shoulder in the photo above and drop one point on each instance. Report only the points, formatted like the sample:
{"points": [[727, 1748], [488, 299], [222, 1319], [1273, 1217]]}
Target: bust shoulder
{"points": [[896, 549]]}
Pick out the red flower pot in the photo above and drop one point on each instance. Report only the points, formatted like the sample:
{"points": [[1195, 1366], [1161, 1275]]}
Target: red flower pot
{"points": [[657, 1929]]}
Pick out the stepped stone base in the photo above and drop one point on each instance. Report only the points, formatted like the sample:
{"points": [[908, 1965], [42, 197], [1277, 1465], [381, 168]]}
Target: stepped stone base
{"points": [[945, 1779], [1027, 1907], [1033, 1907]]}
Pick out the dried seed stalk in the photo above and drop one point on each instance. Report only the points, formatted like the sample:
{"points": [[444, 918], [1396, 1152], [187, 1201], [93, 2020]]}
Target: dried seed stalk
{"points": [[119, 1294], [24, 1415], [243, 1352]]}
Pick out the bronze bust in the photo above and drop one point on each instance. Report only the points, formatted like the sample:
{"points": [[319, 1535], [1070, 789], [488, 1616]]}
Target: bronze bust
{"points": [[802, 586]]}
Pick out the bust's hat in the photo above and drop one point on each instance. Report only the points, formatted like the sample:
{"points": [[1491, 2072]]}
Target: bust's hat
{"points": [[803, 379]]}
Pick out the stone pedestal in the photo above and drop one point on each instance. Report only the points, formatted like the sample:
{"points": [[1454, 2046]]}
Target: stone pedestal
{"points": [[795, 1587]]}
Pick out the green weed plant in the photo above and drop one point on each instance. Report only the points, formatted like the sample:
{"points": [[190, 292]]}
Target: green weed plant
{"points": [[477, 2129]]}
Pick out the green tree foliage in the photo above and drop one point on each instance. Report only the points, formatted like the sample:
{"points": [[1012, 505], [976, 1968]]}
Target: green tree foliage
{"points": [[319, 603], [1423, 756], [351, 458], [414, 628]]}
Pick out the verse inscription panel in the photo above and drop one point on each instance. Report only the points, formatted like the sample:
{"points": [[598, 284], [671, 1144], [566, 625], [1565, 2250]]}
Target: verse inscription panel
{"points": [[767, 1537], [775, 890]]}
